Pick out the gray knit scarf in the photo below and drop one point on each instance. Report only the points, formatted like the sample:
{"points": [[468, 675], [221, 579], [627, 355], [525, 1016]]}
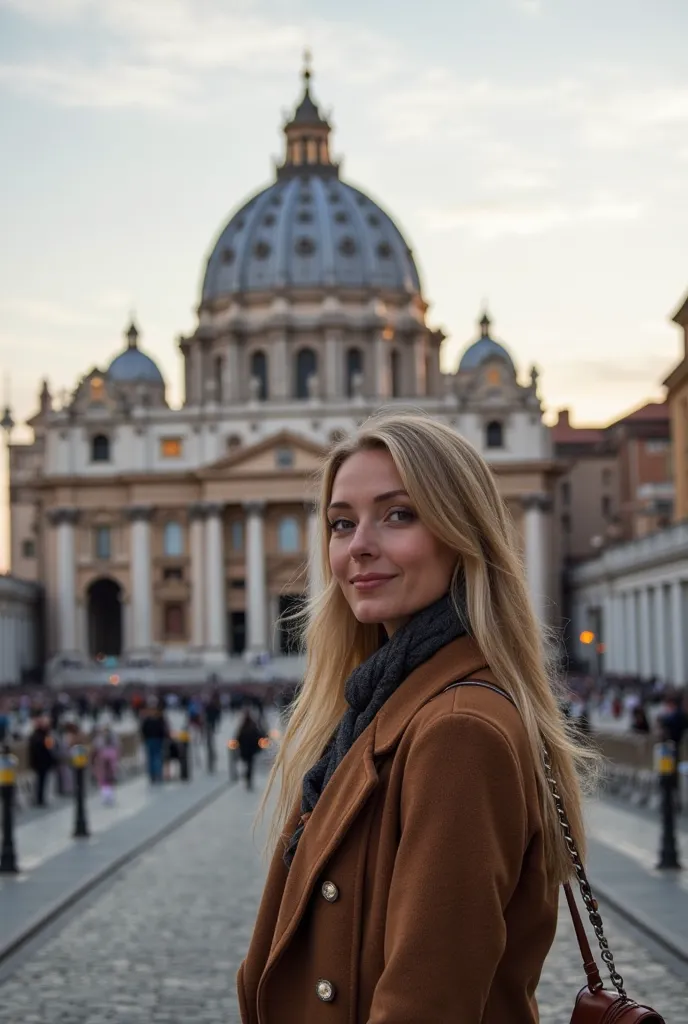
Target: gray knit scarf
{"points": [[372, 683]]}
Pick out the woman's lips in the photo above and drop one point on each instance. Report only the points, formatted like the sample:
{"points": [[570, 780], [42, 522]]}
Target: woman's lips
{"points": [[371, 582]]}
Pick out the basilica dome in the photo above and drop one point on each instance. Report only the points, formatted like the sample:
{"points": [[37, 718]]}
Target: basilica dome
{"points": [[483, 349], [309, 230], [132, 365]]}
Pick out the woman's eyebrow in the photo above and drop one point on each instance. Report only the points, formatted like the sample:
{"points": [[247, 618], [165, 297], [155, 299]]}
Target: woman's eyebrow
{"points": [[380, 497]]}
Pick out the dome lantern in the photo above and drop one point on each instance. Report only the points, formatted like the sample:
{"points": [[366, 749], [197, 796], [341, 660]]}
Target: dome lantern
{"points": [[132, 335], [307, 134]]}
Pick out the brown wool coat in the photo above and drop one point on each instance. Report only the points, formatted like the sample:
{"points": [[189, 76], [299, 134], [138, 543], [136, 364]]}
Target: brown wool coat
{"points": [[431, 832]]}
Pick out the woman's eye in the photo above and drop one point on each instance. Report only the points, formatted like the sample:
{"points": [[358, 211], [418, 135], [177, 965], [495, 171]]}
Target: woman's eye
{"points": [[401, 515], [339, 525]]}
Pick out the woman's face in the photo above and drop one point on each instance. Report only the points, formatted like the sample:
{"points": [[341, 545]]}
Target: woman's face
{"points": [[387, 562]]}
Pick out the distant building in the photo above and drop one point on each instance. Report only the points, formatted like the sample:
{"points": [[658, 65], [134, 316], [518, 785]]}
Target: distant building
{"points": [[677, 398], [618, 484], [174, 540], [633, 597]]}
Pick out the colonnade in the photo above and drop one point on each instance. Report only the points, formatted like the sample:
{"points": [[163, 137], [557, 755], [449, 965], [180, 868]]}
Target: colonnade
{"points": [[644, 630], [18, 638]]}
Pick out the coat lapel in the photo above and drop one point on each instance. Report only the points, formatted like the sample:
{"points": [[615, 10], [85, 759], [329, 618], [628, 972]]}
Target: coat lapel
{"points": [[338, 807]]}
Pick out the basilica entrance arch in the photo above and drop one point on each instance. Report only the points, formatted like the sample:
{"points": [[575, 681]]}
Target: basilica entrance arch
{"points": [[104, 597]]}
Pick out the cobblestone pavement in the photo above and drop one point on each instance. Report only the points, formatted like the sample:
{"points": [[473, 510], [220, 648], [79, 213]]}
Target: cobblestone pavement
{"points": [[163, 943]]}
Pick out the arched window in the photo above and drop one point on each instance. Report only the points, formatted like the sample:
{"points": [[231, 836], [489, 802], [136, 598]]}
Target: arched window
{"points": [[100, 448], [395, 372], [173, 540], [259, 370], [306, 367], [354, 368], [494, 435], [288, 536]]}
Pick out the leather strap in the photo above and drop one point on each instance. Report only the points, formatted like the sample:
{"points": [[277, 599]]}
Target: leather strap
{"points": [[589, 966]]}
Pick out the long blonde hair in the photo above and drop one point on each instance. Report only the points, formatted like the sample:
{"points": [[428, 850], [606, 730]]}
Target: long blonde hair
{"points": [[455, 495]]}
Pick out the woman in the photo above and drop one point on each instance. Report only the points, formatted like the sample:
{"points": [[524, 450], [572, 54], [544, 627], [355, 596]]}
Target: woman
{"points": [[418, 847]]}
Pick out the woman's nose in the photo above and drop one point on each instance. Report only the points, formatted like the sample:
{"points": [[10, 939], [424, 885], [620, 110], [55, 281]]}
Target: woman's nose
{"points": [[363, 543]]}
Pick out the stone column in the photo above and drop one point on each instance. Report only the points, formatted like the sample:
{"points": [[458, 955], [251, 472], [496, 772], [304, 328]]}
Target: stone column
{"points": [[382, 368], [215, 580], [536, 532], [315, 576], [64, 520], [141, 637], [608, 638], [279, 376], [333, 358], [661, 657], [255, 573], [677, 631], [646, 659], [233, 371], [197, 514]]}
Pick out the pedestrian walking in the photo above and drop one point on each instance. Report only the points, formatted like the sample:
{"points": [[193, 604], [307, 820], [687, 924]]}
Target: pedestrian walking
{"points": [[248, 736], [41, 757], [155, 733], [418, 850], [106, 763]]}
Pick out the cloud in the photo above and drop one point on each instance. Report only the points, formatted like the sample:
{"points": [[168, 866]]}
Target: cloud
{"points": [[647, 370], [50, 314], [108, 87], [530, 7], [163, 52], [492, 218]]}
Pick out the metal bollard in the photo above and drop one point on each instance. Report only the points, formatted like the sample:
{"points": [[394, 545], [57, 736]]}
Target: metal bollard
{"points": [[211, 752], [184, 762], [8, 781], [232, 754], [79, 756], [665, 766]]}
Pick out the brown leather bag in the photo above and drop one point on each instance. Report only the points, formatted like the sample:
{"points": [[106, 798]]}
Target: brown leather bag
{"points": [[595, 1004]]}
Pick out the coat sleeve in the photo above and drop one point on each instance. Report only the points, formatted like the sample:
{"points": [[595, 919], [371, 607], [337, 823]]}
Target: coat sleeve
{"points": [[462, 843]]}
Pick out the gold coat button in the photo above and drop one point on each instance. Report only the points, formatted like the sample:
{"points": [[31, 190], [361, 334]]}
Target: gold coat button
{"points": [[325, 990], [330, 891]]}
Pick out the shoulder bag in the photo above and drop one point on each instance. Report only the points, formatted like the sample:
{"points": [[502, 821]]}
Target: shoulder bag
{"points": [[595, 1004]]}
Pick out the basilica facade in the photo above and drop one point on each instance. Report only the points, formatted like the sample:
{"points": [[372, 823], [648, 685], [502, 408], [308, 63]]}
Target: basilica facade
{"points": [[174, 541]]}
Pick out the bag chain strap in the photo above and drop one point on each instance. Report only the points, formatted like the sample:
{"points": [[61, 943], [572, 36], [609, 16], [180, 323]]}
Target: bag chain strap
{"points": [[583, 883]]}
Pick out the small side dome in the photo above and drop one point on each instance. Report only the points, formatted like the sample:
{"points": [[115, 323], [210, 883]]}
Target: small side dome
{"points": [[133, 365], [483, 349]]}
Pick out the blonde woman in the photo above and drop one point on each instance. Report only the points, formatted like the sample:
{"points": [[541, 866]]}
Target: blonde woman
{"points": [[418, 848]]}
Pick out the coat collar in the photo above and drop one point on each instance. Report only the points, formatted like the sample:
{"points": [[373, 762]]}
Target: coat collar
{"points": [[345, 796], [457, 660]]}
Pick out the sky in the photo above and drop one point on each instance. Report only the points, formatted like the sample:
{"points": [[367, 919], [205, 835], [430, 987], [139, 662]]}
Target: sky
{"points": [[533, 152]]}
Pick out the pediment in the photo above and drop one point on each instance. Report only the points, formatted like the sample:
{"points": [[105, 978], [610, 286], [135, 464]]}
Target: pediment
{"points": [[268, 457]]}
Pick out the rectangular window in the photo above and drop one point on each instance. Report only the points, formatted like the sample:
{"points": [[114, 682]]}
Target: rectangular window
{"points": [[171, 447], [173, 621], [102, 541], [173, 574], [237, 535], [237, 584], [656, 447], [28, 549], [284, 458], [606, 506], [566, 523], [566, 492]]}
